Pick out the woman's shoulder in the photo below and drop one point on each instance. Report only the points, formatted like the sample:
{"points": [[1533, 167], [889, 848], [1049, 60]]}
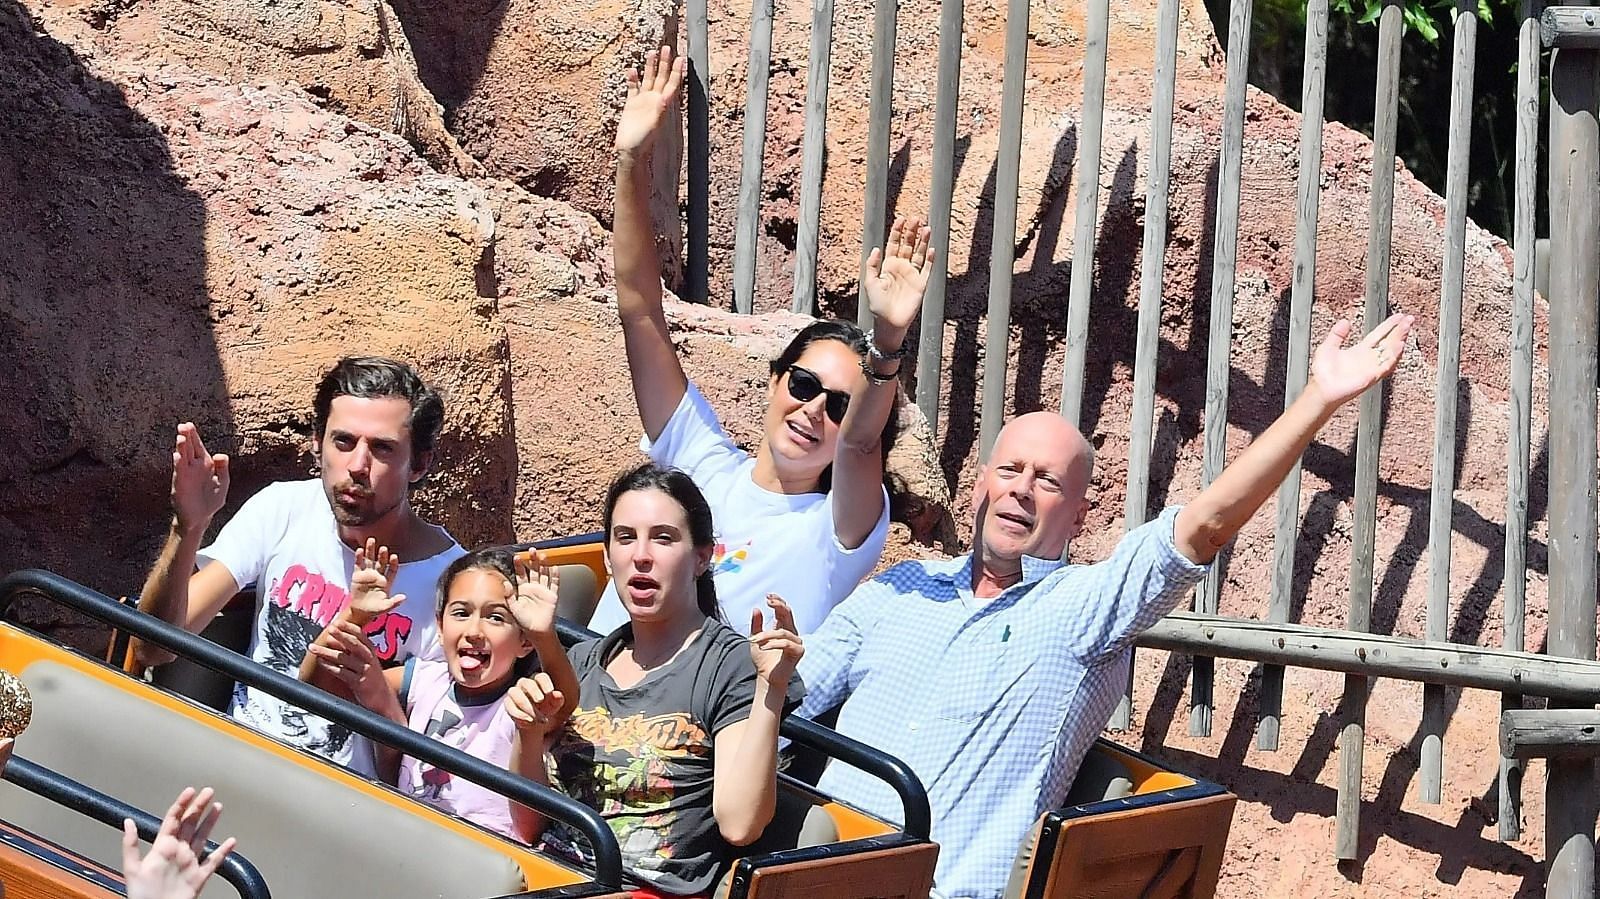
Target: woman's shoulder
{"points": [[718, 633], [720, 643], [583, 651]]}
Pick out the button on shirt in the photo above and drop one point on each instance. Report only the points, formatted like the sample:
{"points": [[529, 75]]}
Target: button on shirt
{"points": [[993, 703]]}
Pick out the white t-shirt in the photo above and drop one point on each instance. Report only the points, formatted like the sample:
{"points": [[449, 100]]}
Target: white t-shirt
{"points": [[766, 542], [284, 540]]}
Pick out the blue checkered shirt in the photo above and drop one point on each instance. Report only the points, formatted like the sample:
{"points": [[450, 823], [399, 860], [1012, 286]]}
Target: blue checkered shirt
{"points": [[992, 703]]}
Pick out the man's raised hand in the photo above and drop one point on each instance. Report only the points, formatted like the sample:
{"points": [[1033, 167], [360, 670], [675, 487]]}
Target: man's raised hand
{"points": [[1343, 373], [896, 276], [534, 600], [374, 572], [650, 95], [775, 651], [534, 704], [199, 480]]}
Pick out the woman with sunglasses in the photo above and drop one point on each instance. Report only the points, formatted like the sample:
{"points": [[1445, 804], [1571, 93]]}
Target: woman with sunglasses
{"points": [[806, 516]]}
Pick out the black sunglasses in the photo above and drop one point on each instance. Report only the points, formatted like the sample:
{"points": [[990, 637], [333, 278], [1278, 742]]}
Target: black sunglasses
{"points": [[804, 386]]}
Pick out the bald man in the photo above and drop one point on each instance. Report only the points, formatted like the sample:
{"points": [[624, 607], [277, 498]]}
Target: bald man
{"points": [[990, 674]]}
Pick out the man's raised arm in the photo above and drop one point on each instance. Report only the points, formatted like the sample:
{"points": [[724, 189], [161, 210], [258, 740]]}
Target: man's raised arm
{"points": [[1338, 375], [174, 591]]}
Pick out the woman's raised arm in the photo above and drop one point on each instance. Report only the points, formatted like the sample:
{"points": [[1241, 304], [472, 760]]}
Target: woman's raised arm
{"points": [[658, 379], [896, 277]]}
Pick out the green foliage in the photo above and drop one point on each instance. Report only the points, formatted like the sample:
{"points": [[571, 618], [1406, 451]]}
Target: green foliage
{"points": [[1277, 50], [1423, 17]]}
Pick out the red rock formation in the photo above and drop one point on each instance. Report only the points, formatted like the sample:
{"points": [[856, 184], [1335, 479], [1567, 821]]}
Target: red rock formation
{"points": [[531, 89], [352, 57], [184, 248]]}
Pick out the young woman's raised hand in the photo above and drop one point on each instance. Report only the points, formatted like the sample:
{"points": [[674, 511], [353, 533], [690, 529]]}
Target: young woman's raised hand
{"points": [[375, 570], [896, 276], [650, 95], [534, 704], [777, 650], [534, 601], [174, 869]]}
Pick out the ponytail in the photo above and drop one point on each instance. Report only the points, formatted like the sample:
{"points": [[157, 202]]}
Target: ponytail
{"points": [[705, 592]]}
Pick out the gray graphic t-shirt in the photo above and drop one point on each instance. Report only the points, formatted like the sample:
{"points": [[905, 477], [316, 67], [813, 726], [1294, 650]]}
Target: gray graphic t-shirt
{"points": [[642, 756]]}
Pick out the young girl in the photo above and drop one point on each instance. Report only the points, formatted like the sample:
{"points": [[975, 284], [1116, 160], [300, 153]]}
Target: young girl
{"points": [[807, 515], [672, 698], [494, 614]]}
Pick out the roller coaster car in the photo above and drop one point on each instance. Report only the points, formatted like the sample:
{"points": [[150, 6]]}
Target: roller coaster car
{"points": [[36, 867], [1129, 828], [1132, 829], [317, 830]]}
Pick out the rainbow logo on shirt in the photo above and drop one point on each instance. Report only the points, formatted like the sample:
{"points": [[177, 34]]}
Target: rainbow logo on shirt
{"points": [[724, 562]]}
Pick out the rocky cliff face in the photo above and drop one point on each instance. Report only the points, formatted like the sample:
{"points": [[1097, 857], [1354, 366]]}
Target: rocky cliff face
{"points": [[184, 247], [211, 202]]}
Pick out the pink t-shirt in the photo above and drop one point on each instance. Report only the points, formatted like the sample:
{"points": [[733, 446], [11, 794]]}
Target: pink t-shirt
{"points": [[480, 727]]}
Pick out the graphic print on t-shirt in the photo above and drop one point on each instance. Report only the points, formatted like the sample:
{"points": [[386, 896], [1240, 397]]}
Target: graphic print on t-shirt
{"points": [[724, 561], [286, 636], [625, 768], [432, 781], [300, 605], [310, 595]]}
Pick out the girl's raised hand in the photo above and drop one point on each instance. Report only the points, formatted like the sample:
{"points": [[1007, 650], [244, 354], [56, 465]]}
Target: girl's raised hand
{"points": [[775, 651], [534, 600], [342, 650]]}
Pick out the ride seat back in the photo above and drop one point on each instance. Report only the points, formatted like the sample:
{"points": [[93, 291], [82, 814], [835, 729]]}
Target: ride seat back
{"points": [[1100, 777], [311, 830], [578, 594], [1130, 830], [815, 847], [231, 630]]}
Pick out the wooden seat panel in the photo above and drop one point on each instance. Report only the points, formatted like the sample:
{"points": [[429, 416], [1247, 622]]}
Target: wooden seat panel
{"points": [[896, 872], [35, 868]]}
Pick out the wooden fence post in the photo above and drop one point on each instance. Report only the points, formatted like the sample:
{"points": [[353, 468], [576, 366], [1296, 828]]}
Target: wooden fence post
{"points": [[1519, 437], [755, 142], [697, 203], [1007, 171], [1571, 802]]}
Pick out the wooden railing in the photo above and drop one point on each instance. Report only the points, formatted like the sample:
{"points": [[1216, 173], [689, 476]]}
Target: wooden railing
{"points": [[1575, 286]]}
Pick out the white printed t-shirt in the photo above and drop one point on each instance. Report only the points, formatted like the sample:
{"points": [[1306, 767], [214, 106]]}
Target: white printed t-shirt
{"points": [[766, 542], [285, 541]]}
